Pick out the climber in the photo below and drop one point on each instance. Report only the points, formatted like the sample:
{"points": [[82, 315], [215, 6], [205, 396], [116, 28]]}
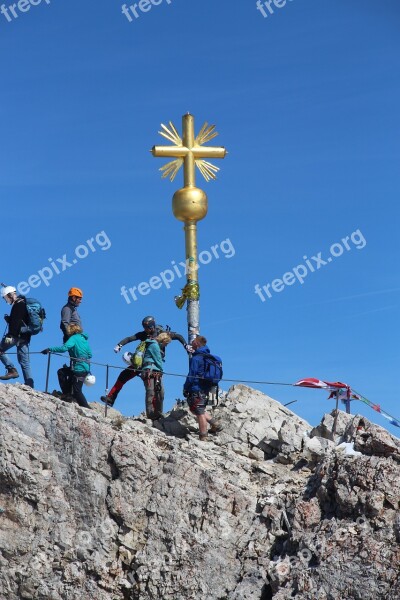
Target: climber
{"points": [[150, 330], [16, 320], [152, 372], [196, 389], [69, 312], [79, 350]]}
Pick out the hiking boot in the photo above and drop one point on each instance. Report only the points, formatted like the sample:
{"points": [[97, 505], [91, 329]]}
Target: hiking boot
{"points": [[11, 374], [216, 426], [66, 397], [107, 400], [86, 406]]}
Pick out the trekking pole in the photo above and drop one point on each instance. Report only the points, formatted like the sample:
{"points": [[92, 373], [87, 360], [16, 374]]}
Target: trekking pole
{"points": [[106, 406], [48, 372]]}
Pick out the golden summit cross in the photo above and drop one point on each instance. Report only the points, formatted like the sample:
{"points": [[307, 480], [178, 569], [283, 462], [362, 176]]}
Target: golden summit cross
{"points": [[189, 204], [189, 151]]}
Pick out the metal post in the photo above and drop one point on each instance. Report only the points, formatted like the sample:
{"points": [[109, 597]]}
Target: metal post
{"points": [[48, 372], [193, 305], [336, 413], [107, 373]]}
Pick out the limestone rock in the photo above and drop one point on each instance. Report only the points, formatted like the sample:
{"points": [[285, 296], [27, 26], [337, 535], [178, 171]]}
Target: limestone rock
{"points": [[95, 508]]}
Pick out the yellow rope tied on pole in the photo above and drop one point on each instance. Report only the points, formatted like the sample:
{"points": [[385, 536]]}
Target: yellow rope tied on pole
{"points": [[191, 291]]}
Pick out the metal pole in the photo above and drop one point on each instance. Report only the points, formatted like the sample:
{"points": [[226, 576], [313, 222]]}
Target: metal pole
{"points": [[336, 413], [193, 306], [106, 407], [48, 372]]}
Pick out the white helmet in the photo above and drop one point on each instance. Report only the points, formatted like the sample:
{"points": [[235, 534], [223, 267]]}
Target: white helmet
{"points": [[89, 379], [127, 357], [8, 289]]}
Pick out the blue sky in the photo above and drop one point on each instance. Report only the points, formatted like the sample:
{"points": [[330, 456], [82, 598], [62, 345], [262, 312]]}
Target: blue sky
{"points": [[306, 102]]}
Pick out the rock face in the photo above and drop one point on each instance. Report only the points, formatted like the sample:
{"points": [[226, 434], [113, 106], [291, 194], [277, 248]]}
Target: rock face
{"points": [[95, 508]]}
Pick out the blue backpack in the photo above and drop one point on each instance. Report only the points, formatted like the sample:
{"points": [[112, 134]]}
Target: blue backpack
{"points": [[37, 315], [212, 369]]}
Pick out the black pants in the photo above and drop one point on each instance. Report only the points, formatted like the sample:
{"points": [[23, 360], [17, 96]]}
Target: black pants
{"points": [[71, 384], [65, 379]]}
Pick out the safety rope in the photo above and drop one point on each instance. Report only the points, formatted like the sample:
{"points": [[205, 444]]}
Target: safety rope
{"points": [[164, 372], [361, 398]]}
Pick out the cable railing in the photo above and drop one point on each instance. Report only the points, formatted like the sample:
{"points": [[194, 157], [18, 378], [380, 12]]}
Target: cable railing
{"points": [[108, 367], [394, 421]]}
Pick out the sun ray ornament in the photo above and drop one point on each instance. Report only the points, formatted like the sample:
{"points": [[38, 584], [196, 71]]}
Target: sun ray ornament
{"points": [[189, 204]]}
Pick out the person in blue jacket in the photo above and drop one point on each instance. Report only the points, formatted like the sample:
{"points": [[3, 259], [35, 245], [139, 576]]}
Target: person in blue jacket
{"points": [[197, 390], [152, 372], [79, 350]]}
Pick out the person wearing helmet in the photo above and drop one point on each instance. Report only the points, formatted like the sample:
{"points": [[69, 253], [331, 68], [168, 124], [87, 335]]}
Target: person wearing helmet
{"points": [[150, 331], [69, 312], [71, 379], [16, 320]]}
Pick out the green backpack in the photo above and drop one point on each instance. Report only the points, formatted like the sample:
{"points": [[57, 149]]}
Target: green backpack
{"points": [[137, 356]]}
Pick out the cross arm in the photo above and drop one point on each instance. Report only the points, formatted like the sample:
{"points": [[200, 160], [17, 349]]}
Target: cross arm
{"points": [[182, 151], [169, 151]]}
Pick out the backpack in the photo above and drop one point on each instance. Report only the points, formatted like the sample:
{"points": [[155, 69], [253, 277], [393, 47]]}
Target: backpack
{"points": [[162, 329], [36, 314], [212, 369], [137, 356]]}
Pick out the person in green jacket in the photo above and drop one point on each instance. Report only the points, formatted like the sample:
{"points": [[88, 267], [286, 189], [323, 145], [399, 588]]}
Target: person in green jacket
{"points": [[152, 372], [72, 378]]}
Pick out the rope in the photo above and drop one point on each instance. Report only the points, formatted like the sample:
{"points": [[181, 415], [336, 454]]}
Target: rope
{"points": [[164, 372], [362, 398]]}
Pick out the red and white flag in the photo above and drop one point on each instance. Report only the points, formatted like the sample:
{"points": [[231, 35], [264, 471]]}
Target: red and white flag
{"points": [[333, 386]]}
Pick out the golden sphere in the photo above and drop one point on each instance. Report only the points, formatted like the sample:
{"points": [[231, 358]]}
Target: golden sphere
{"points": [[189, 204]]}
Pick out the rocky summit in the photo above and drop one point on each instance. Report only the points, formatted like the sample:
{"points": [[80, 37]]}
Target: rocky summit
{"points": [[111, 508]]}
